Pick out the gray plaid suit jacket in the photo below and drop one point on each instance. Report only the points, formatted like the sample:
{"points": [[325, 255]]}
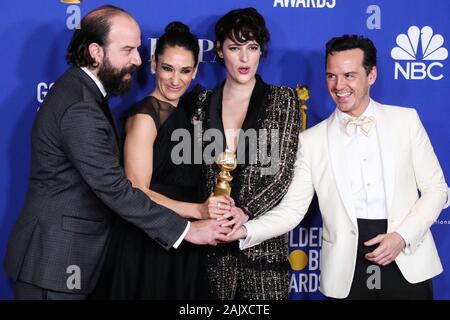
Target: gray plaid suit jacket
{"points": [[77, 186]]}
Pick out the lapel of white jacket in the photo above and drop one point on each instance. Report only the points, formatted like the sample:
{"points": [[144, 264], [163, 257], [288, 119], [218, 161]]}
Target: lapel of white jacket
{"points": [[339, 164], [386, 138]]}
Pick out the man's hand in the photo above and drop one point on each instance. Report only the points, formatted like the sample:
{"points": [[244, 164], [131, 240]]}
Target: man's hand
{"points": [[240, 233], [391, 244], [206, 232]]}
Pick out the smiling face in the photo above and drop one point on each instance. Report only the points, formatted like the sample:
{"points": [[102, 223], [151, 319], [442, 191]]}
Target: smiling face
{"points": [[241, 60], [174, 72], [347, 81]]}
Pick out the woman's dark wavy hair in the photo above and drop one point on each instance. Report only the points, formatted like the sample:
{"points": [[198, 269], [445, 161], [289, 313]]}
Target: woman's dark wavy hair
{"points": [[242, 25], [348, 42], [177, 34], [94, 28]]}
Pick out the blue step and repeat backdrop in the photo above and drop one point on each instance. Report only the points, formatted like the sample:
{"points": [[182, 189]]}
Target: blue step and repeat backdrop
{"points": [[412, 37]]}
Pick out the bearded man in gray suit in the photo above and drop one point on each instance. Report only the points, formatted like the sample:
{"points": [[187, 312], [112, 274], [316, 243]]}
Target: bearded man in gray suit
{"points": [[77, 185]]}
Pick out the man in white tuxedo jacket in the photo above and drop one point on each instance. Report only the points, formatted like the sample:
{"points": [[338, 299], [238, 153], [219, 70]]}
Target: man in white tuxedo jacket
{"points": [[379, 184]]}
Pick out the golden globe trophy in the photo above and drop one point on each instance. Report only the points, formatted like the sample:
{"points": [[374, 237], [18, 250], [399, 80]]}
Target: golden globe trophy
{"points": [[303, 95], [227, 163]]}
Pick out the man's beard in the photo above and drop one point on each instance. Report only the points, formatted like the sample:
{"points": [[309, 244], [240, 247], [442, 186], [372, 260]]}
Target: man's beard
{"points": [[112, 78]]}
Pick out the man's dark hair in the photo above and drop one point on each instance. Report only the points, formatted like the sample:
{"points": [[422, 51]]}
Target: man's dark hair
{"points": [[348, 42], [242, 25], [94, 28]]}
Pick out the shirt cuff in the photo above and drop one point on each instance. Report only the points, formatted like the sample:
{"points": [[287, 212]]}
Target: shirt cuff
{"points": [[181, 238], [447, 203], [249, 240], [407, 249]]}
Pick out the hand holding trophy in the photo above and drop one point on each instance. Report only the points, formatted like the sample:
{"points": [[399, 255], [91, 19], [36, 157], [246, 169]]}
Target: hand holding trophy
{"points": [[227, 163], [236, 217]]}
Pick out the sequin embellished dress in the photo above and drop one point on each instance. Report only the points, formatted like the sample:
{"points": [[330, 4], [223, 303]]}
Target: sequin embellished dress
{"points": [[260, 272]]}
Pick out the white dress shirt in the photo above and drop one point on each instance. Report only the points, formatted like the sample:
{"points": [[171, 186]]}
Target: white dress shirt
{"points": [[364, 170]]}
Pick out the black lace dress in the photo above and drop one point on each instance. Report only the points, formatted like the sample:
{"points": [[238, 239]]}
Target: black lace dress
{"points": [[136, 267]]}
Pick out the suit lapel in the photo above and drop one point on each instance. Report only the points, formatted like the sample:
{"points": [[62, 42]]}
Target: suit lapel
{"points": [[339, 164], [93, 91], [107, 111], [215, 112], [255, 106], [254, 111], [385, 138]]}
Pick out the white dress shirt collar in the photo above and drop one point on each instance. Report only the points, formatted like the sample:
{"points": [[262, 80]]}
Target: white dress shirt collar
{"points": [[370, 110], [96, 80]]}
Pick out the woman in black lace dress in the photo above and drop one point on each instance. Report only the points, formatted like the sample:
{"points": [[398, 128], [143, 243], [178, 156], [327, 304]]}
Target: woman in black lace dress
{"points": [[136, 266]]}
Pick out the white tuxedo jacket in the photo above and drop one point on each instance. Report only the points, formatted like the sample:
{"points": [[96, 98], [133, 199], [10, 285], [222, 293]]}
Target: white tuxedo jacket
{"points": [[409, 166]]}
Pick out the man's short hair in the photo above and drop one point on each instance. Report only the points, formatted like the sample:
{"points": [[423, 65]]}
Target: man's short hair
{"points": [[94, 28], [348, 42]]}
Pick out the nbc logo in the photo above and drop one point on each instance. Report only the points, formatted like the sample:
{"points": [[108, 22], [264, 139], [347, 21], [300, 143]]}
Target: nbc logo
{"points": [[419, 44]]}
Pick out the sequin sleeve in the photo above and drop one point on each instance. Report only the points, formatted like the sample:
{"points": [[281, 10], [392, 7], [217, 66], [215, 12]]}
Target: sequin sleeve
{"points": [[283, 118]]}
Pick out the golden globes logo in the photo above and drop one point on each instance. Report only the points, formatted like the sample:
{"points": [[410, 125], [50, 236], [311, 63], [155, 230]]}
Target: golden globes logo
{"points": [[305, 259], [71, 1]]}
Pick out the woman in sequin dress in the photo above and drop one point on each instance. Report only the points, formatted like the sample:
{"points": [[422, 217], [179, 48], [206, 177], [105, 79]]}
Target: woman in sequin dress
{"points": [[242, 106]]}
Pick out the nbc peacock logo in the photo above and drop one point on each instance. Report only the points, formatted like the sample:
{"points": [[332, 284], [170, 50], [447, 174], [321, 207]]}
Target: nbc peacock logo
{"points": [[419, 44]]}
